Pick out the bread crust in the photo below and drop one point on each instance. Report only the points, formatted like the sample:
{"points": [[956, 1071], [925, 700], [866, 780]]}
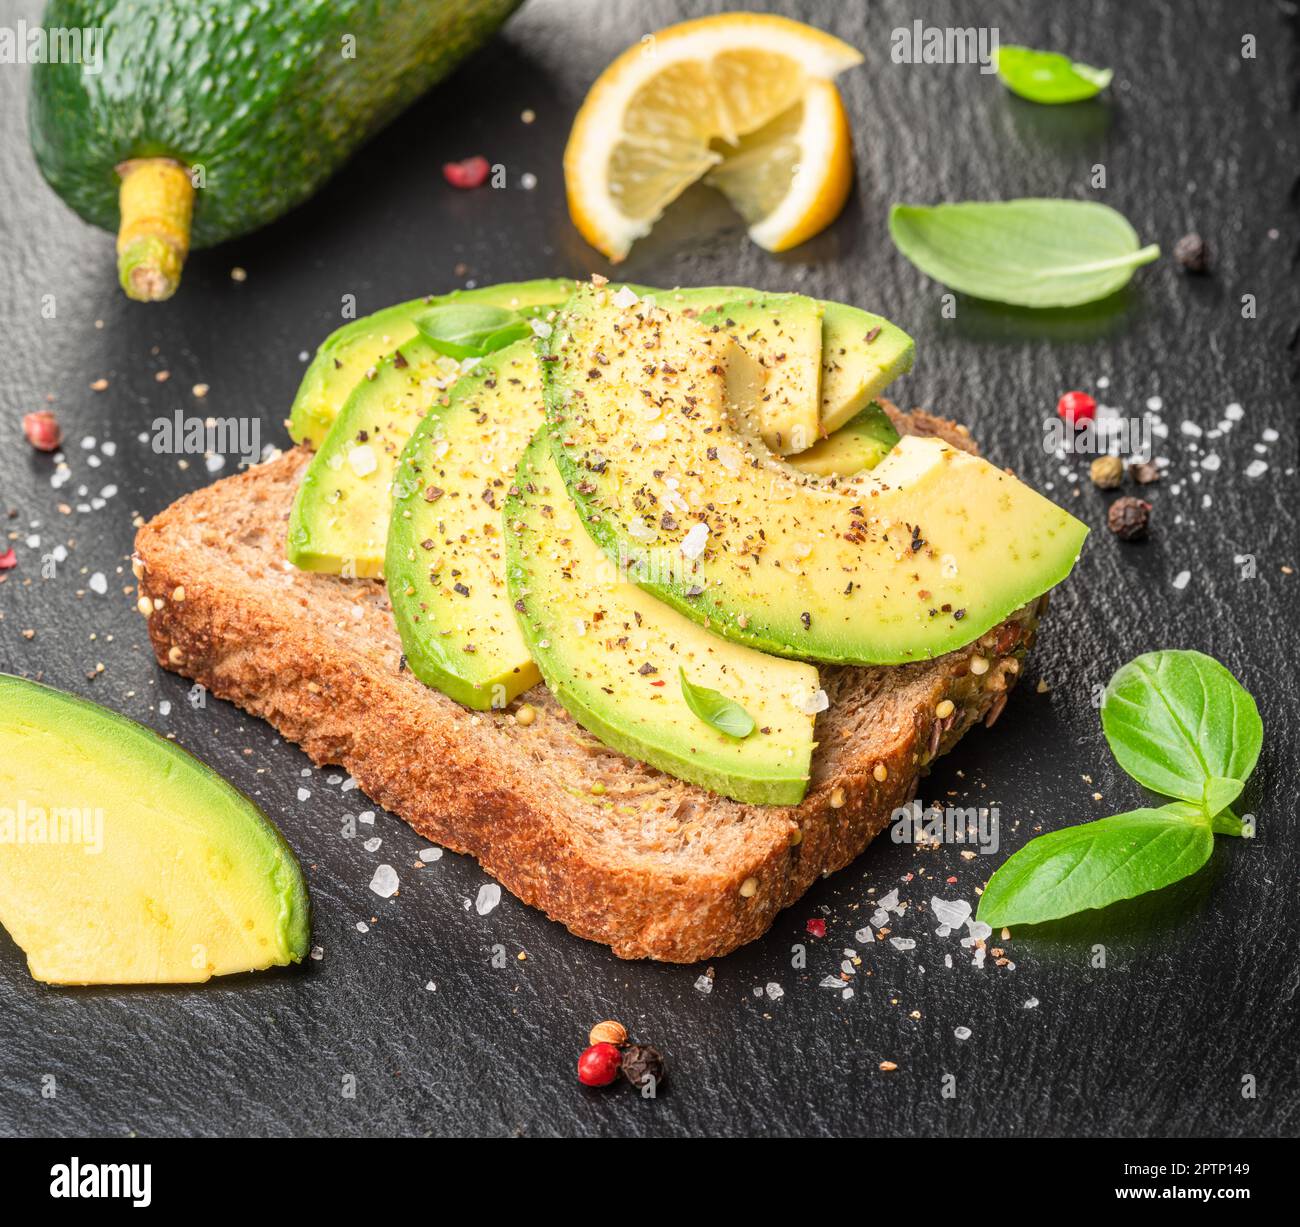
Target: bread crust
{"points": [[653, 867]]}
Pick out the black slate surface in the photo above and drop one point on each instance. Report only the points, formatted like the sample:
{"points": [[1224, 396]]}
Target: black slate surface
{"points": [[1199, 984]]}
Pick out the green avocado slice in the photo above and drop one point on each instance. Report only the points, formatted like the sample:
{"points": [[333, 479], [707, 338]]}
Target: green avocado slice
{"points": [[125, 860], [917, 557], [345, 356], [859, 444], [613, 655], [339, 521], [446, 557], [775, 377]]}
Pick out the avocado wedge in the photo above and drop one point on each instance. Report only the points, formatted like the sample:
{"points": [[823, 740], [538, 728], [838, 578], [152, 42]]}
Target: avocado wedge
{"points": [[339, 522], [344, 357], [775, 374], [615, 657], [446, 564], [125, 860], [917, 557], [859, 444]]}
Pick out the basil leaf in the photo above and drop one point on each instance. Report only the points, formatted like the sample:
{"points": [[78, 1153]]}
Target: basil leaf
{"points": [[1046, 76], [1179, 723], [1030, 253], [716, 710], [1096, 864], [470, 330]]}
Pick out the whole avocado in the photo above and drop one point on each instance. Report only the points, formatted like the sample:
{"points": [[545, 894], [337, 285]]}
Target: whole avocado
{"points": [[254, 102]]}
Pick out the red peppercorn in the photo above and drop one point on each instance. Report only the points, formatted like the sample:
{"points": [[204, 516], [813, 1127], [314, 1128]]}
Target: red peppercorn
{"points": [[8, 559], [817, 928], [599, 1065], [42, 430], [1076, 407], [470, 172]]}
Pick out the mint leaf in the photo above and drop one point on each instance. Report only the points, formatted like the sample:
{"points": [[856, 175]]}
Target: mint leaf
{"points": [[1031, 253], [471, 330], [1179, 723], [716, 710], [1096, 864], [1048, 77]]}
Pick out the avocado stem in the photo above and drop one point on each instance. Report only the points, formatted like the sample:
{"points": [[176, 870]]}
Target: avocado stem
{"points": [[156, 203]]}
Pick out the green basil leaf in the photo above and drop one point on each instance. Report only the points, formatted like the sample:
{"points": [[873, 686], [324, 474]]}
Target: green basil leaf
{"points": [[1096, 864], [1046, 76], [716, 710], [1179, 723], [1220, 793], [470, 330], [1030, 253]]}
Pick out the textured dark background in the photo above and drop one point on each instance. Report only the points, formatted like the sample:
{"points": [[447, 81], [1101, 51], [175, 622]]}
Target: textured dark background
{"points": [[1199, 987]]}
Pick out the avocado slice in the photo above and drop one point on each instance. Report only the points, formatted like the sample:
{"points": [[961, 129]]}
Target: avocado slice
{"points": [[345, 356], [775, 379], [917, 557], [125, 860], [860, 444], [339, 521], [446, 559], [862, 354], [613, 655]]}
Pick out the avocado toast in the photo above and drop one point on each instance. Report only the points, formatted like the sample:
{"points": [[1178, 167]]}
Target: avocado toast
{"points": [[616, 796]]}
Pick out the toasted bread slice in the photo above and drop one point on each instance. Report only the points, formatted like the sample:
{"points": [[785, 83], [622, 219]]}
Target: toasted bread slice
{"points": [[653, 867]]}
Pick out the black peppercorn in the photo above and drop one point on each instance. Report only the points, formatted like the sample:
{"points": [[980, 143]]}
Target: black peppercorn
{"points": [[1128, 517], [1193, 253], [640, 1063]]}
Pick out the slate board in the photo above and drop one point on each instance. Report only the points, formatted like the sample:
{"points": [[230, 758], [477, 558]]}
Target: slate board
{"points": [[1199, 984]]}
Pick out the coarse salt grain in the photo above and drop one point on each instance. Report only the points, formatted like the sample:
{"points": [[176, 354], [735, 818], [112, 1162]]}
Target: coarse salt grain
{"points": [[962, 1033], [694, 541], [489, 895], [362, 460], [385, 882], [624, 297], [1182, 579]]}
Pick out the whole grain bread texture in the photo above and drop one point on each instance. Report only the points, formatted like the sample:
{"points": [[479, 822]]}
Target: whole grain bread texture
{"points": [[649, 865]]}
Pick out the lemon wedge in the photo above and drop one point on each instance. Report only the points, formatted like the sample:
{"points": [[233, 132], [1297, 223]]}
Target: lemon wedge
{"points": [[742, 98]]}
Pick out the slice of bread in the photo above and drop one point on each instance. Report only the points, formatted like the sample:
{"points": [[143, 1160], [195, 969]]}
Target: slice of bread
{"points": [[653, 867]]}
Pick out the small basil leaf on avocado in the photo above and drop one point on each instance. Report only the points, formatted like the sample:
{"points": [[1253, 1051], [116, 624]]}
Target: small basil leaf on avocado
{"points": [[1049, 77], [1179, 723], [470, 330], [1030, 253], [716, 710], [1097, 863]]}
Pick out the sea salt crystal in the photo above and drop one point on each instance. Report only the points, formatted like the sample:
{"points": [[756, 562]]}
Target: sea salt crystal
{"points": [[98, 583], [704, 985], [952, 914], [847, 968], [979, 931], [1270, 435], [362, 460], [962, 1033], [889, 902], [624, 297], [318, 953], [774, 991], [730, 459], [846, 994], [430, 854], [880, 918], [489, 895], [943, 931], [108, 491], [164, 708], [214, 463], [304, 793], [1234, 412], [384, 883], [1181, 579], [372, 844], [902, 943], [831, 982], [367, 816], [1155, 404], [810, 702], [864, 936], [540, 328], [947, 960], [1191, 430], [1256, 468], [1211, 462], [1032, 1003], [694, 541], [430, 987], [978, 960], [362, 927]]}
